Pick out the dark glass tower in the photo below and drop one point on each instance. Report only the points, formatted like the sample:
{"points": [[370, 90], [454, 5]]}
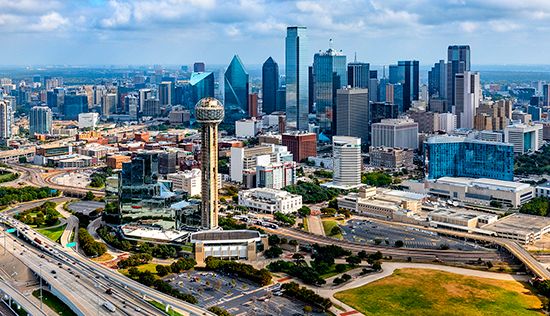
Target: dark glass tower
{"points": [[458, 61], [297, 61], [358, 75], [270, 84]]}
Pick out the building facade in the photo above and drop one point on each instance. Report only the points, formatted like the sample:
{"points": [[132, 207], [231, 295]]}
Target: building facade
{"points": [[346, 152], [402, 133], [297, 60], [236, 90], [270, 85], [40, 120], [352, 105]]}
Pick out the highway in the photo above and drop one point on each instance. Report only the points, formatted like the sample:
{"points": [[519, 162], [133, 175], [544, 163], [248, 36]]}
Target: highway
{"points": [[128, 294], [22, 300]]}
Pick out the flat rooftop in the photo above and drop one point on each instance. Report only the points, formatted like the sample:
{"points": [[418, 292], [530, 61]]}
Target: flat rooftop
{"points": [[519, 223], [225, 235], [491, 184]]}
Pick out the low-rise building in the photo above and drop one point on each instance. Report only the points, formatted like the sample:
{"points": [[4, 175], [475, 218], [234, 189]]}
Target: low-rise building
{"points": [[543, 190], [231, 244], [481, 191], [246, 128], [393, 158], [523, 228], [270, 200], [188, 181], [96, 150], [88, 120], [116, 161], [460, 220]]}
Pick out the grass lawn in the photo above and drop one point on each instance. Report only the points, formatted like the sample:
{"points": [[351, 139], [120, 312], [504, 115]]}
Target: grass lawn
{"points": [[431, 293], [151, 267], [162, 307], [54, 303], [306, 224], [6, 176], [104, 257], [333, 272], [53, 233], [328, 225]]}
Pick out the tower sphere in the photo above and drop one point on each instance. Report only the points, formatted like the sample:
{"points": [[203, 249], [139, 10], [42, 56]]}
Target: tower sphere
{"points": [[209, 111]]}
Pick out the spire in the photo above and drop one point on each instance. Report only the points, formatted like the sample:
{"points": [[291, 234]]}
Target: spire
{"points": [[355, 57]]}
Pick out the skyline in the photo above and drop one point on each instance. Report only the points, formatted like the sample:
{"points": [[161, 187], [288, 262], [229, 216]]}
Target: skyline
{"points": [[381, 32]]}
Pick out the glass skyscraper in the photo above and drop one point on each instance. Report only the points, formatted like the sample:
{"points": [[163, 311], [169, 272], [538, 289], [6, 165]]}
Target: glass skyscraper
{"points": [[40, 120], [202, 86], [407, 74], [358, 75], [270, 85], [458, 61], [73, 105], [448, 156], [329, 75], [236, 90], [297, 61]]}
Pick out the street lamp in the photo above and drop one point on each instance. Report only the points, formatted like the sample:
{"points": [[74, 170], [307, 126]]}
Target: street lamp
{"points": [[40, 275]]}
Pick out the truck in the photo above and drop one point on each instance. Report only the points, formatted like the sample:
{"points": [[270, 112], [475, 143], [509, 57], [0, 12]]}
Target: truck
{"points": [[109, 306], [38, 241]]}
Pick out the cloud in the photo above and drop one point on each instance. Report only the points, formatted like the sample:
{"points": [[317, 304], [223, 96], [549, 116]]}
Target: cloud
{"points": [[50, 22]]}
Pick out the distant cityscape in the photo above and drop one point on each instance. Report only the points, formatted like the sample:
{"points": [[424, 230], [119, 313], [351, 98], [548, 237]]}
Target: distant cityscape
{"points": [[276, 190]]}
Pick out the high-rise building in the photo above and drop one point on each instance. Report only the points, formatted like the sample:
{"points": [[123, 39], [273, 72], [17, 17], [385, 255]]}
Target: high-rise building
{"points": [[452, 156], [40, 120], [346, 153], [202, 85], [458, 61], [301, 144], [352, 105], [132, 105], [165, 93], [467, 93], [6, 120], [151, 107], [143, 95], [209, 113], [491, 116], [88, 120], [73, 105], [524, 137], [535, 111], [253, 110], [297, 60], [373, 87], [198, 67], [270, 85], [447, 122], [406, 73], [236, 90], [329, 74], [437, 81], [109, 104], [276, 175], [428, 122], [402, 133], [358, 74], [546, 94]]}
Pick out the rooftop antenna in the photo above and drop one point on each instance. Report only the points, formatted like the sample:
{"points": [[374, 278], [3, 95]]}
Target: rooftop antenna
{"points": [[355, 58]]}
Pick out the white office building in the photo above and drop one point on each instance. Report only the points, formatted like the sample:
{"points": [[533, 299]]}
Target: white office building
{"points": [[467, 97], [270, 200], [6, 119], [246, 159], [524, 137], [247, 128], [88, 120], [188, 181], [447, 122], [402, 132], [346, 152]]}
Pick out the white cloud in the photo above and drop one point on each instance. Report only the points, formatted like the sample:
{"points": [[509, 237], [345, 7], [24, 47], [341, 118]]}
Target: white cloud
{"points": [[50, 22], [122, 12], [469, 26]]}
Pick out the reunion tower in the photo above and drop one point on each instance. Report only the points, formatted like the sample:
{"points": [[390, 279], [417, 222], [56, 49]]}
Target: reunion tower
{"points": [[209, 112]]}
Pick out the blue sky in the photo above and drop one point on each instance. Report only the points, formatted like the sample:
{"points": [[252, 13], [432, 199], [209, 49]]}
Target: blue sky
{"points": [[182, 31]]}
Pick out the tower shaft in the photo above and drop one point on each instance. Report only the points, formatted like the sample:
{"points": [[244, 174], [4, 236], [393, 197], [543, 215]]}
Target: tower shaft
{"points": [[209, 168]]}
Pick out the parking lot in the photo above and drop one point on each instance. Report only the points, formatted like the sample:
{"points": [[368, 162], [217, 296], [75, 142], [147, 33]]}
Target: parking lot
{"points": [[239, 297], [369, 231]]}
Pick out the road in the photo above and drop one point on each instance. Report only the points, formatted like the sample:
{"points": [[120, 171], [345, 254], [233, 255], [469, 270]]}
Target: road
{"points": [[126, 290], [21, 299], [315, 225]]}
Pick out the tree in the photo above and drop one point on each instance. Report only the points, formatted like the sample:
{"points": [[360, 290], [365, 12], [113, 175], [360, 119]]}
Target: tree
{"points": [[353, 260], [377, 266], [219, 311], [335, 231], [333, 204], [537, 206], [273, 252], [399, 243], [279, 216], [362, 255], [89, 196], [340, 267], [162, 270], [273, 240], [304, 211]]}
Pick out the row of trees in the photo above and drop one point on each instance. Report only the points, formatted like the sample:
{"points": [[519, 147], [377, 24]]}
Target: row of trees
{"points": [[535, 163], [87, 243], [287, 219], [134, 260], [377, 179], [537, 206], [99, 177], [306, 295], [25, 194], [182, 264], [43, 215], [243, 270], [299, 269]]}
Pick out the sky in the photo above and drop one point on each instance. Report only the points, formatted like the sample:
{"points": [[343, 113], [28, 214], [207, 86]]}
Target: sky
{"points": [[174, 32]]}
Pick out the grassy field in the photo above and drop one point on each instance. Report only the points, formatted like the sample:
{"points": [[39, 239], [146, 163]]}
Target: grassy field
{"points": [[328, 225], [333, 272], [306, 224], [53, 233], [6, 176], [151, 267], [104, 257], [54, 303], [431, 293], [162, 307]]}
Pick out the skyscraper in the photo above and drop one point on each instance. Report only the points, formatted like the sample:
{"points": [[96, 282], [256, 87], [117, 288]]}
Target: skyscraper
{"points": [[546, 94], [437, 81], [144, 94], [198, 67], [270, 84], [236, 90], [202, 86], [467, 95], [458, 61], [109, 104], [406, 73], [347, 160], [401, 133], [165, 93], [373, 86], [329, 74], [209, 113], [6, 120], [352, 105], [296, 64], [358, 74], [73, 105], [40, 120]]}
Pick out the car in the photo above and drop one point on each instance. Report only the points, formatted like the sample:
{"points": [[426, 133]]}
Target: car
{"points": [[53, 272]]}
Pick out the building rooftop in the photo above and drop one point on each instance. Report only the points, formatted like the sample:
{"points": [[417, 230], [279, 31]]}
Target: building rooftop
{"points": [[519, 223], [491, 184], [225, 235], [443, 139]]}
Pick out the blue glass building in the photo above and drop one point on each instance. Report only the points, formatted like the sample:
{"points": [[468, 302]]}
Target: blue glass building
{"points": [[270, 85], [202, 86], [236, 91], [73, 105], [448, 156], [407, 74], [358, 75], [297, 61], [329, 73]]}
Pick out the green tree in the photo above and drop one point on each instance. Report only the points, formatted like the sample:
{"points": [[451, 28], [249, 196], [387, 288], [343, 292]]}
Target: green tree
{"points": [[304, 211], [89, 196], [537, 206], [399, 243]]}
